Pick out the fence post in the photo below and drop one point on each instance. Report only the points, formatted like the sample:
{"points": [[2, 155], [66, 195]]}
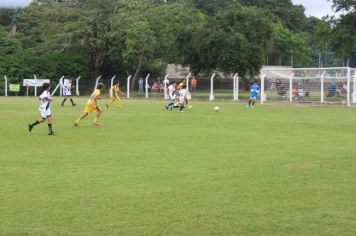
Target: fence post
{"points": [[211, 98], [236, 87], [187, 79], [165, 82], [348, 86], [128, 86], [35, 85], [96, 82], [322, 98], [354, 88], [59, 85], [147, 85], [263, 94], [112, 81], [291, 87], [77, 86], [5, 86]]}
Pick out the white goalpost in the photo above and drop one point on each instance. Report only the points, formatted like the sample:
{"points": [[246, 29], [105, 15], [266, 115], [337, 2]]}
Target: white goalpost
{"points": [[333, 85]]}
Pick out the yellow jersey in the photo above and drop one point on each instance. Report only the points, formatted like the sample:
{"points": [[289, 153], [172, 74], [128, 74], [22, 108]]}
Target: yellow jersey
{"points": [[94, 97], [180, 85], [115, 91]]}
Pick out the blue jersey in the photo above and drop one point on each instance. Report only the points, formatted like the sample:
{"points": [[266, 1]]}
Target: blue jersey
{"points": [[255, 89]]}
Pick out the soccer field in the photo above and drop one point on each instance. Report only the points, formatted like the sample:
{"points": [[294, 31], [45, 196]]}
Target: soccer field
{"points": [[271, 170]]}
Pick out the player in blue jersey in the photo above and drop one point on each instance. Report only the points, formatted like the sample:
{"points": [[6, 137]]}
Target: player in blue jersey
{"points": [[255, 90]]}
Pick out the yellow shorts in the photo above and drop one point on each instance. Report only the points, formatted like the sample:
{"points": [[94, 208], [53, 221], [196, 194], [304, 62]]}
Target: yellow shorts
{"points": [[90, 108]]}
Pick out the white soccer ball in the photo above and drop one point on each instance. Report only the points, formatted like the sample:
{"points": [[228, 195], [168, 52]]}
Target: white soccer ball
{"points": [[216, 108]]}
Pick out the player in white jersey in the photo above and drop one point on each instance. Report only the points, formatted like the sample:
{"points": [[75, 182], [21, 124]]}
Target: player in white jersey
{"points": [[45, 109], [172, 95], [67, 86], [182, 97]]}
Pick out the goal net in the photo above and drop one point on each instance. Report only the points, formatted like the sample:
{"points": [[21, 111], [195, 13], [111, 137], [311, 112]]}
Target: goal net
{"points": [[301, 85]]}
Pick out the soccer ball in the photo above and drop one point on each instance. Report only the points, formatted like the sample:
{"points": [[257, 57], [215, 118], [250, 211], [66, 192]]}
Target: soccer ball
{"points": [[216, 108]]}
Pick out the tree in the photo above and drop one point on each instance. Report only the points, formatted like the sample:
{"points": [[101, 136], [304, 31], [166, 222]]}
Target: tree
{"points": [[284, 11], [344, 34], [229, 42], [143, 34], [286, 47], [346, 5]]}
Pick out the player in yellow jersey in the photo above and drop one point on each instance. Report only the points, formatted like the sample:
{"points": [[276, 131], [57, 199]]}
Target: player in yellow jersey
{"points": [[92, 106], [180, 84], [114, 94]]}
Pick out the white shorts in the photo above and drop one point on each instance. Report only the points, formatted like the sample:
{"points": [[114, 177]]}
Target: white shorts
{"points": [[189, 96], [173, 97], [45, 112], [67, 92], [181, 101]]}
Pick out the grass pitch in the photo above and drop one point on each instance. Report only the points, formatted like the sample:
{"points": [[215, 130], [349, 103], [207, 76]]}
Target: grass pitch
{"points": [[271, 170]]}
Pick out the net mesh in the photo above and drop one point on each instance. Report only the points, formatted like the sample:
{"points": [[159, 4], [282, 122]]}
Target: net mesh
{"points": [[325, 85]]}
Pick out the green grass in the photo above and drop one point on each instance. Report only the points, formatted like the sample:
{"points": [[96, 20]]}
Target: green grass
{"points": [[271, 170]]}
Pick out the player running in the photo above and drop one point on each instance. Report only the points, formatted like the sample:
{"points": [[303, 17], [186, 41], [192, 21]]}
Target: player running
{"points": [[92, 106], [172, 95], [114, 94], [182, 97], [255, 90], [45, 109], [188, 97], [67, 87]]}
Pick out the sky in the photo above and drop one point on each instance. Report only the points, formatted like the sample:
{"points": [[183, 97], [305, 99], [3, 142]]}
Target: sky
{"points": [[316, 8]]}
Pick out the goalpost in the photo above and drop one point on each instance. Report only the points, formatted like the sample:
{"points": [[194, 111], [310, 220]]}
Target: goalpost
{"points": [[334, 85]]}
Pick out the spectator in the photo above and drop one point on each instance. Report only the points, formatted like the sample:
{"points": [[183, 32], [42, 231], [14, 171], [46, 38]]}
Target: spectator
{"points": [[194, 83], [331, 90], [155, 87], [282, 91], [140, 85], [294, 93]]}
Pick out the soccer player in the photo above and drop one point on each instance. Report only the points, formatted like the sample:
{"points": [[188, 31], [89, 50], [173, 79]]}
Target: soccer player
{"points": [[180, 86], [182, 97], [114, 94], [172, 95], [92, 106], [67, 86], [255, 90], [45, 109]]}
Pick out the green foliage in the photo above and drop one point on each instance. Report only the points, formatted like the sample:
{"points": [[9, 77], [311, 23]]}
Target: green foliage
{"points": [[229, 42], [26, 63], [144, 33], [284, 11], [347, 5], [8, 17], [139, 36], [286, 44], [211, 7], [8, 43]]}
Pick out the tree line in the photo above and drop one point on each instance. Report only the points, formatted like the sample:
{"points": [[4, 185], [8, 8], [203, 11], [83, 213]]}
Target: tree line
{"points": [[105, 37]]}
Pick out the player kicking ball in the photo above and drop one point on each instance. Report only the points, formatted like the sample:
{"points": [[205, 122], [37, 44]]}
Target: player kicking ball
{"points": [[45, 109], [255, 90], [92, 106]]}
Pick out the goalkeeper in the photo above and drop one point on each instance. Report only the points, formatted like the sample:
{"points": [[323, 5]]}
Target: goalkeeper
{"points": [[255, 90], [114, 94]]}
